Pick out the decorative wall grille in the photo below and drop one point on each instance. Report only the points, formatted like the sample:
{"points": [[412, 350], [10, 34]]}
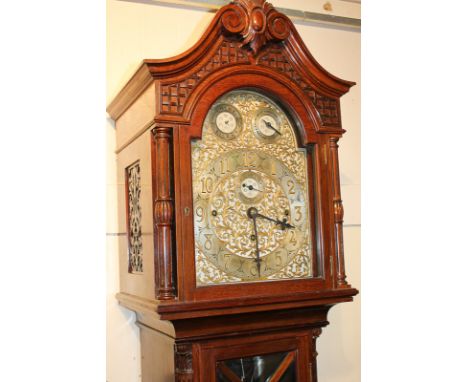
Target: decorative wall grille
{"points": [[135, 245]]}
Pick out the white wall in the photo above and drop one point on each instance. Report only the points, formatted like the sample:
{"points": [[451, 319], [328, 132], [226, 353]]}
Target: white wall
{"points": [[138, 31]]}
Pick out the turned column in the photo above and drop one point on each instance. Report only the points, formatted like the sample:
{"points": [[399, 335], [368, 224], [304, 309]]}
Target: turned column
{"points": [[338, 214], [163, 212]]}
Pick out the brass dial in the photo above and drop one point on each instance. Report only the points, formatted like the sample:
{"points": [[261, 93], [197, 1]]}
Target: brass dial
{"points": [[250, 172]]}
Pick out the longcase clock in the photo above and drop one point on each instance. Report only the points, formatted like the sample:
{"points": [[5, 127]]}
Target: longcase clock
{"points": [[230, 198]]}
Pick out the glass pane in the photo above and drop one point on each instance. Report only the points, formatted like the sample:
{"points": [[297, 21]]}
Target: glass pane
{"points": [[250, 159], [258, 369]]}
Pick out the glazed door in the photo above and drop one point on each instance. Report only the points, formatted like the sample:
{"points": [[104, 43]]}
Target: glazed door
{"points": [[277, 357], [275, 367]]}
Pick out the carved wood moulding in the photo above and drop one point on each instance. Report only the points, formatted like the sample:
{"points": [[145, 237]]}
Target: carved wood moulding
{"points": [[315, 333], [175, 95], [251, 33]]}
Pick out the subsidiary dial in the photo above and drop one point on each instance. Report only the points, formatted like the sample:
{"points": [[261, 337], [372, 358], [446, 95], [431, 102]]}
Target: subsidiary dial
{"points": [[250, 188], [267, 125], [226, 122]]}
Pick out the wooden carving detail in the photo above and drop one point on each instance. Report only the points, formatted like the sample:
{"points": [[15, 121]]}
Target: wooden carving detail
{"points": [[164, 213], [338, 214], [315, 332], [183, 362], [249, 27], [256, 22], [175, 95], [327, 107]]}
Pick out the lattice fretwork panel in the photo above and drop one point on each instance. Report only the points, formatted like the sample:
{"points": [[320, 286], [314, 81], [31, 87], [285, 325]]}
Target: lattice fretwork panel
{"points": [[327, 107], [175, 95]]}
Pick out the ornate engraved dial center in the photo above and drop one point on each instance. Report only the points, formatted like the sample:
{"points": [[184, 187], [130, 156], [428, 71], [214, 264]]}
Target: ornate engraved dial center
{"points": [[232, 226]]}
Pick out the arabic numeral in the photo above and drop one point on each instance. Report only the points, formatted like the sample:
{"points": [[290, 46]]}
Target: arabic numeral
{"points": [[208, 242], [290, 184], [207, 185], [293, 240], [199, 212], [299, 214]]}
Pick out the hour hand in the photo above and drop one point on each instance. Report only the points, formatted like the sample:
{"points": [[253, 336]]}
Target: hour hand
{"points": [[250, 187]]}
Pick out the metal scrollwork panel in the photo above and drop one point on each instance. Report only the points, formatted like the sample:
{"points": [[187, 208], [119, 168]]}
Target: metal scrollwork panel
{"points": [[239, 167], [135, 243]]}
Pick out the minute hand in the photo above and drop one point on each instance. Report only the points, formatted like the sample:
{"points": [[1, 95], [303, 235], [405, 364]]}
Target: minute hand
{"points": [[283, 223], [269, 125]]}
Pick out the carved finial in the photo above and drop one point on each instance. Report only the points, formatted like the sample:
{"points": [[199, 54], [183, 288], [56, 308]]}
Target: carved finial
{"points": [[256, 21]]}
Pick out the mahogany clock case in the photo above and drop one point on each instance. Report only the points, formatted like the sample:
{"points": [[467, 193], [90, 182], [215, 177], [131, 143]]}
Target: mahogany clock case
{"points": [[160, 112]]}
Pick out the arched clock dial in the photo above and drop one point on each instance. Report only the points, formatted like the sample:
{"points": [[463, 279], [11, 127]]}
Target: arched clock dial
{"points": [[251, 197]]}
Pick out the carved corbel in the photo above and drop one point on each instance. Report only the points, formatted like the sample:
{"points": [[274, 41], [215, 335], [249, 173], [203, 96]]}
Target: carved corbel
{"points": [[315, 332], [183, 362]]}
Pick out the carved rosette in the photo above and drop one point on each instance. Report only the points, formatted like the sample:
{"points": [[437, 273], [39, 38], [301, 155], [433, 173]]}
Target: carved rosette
{"points": [[256, 22], [183, 362]]}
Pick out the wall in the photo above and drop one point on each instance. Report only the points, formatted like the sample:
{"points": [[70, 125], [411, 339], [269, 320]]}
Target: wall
{"points": [[136, 31]]}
